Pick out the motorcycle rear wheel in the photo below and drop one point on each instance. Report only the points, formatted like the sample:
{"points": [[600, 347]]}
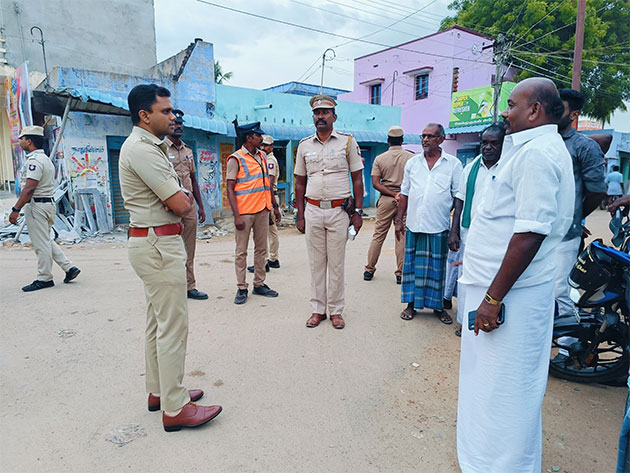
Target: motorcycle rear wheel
{"points": [[611, 361]]}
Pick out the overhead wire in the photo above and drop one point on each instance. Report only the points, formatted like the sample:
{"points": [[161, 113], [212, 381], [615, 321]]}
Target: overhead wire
{"points": [[329, 33]]}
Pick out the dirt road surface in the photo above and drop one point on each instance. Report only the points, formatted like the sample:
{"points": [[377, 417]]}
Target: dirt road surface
{"points": [[378, 396]]}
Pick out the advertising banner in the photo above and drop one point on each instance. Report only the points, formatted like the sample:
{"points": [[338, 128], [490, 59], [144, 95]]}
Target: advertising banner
{"points": [[474, 106]]}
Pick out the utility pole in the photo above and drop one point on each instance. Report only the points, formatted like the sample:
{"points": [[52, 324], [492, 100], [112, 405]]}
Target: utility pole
{"points": [[579, 44], [501, 48], [42, 42], [321, 84]]}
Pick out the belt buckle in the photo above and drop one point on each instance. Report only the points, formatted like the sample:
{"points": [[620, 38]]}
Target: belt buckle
{"points": [[325, 204]]}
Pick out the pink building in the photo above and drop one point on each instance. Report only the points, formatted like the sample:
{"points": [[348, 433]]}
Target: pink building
{"points": [[420, 76]]}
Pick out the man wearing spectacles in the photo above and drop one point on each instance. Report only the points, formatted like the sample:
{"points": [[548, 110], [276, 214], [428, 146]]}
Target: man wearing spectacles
{"points": [[430, 182]]}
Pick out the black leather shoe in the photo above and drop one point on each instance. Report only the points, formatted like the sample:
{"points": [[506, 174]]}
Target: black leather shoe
{"points": [[251, 268], [447, 303], [273, 264], [398, 279], [71, 274], [241, 296], [195, 294], [265, 291], [367, 276], [36, 285]]}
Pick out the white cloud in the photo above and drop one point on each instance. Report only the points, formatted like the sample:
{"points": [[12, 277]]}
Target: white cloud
{"points": [[262, 53]]}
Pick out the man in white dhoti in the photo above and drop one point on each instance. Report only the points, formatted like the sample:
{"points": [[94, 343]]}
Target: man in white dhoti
{"points": [[525, 210]]}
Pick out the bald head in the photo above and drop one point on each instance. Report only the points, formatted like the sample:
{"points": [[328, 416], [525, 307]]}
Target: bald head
{"points": [[532, 103]]}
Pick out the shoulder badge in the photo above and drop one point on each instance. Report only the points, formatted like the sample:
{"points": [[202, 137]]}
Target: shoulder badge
{"points": [[270, 165], [32, 167]]}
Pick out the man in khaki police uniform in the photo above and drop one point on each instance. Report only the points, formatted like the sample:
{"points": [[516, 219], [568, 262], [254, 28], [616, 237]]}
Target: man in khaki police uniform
{"points": [[37, 181], [387, 175], [322, 165], [251, 198], [181, 156], [156, 203], [274, 173]]}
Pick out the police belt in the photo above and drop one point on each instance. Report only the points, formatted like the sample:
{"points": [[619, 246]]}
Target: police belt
{"points": [[326, 204], [42, 199], [162, 230]]}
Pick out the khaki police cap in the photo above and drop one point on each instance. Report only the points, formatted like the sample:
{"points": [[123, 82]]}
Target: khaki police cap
{"points": [[267, 140], [395, 131], [322, 101], [32, 131]]}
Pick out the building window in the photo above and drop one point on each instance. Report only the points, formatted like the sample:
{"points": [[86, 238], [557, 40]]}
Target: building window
{"points": [[422, 86], [375, 94], [455, 79]]}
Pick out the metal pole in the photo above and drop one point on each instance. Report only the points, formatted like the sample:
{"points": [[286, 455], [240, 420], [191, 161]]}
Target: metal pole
{"points": [[498, 58], [394, 75], [41, 41], [64, 119], [321, 84], [579, 44]]}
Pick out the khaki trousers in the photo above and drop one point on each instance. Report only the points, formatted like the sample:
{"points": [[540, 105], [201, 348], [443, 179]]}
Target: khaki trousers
{"points": [[160, 263], [274, 241], [259, 222], [385, 214], [40, 217], [326, 236], [190, 242]]}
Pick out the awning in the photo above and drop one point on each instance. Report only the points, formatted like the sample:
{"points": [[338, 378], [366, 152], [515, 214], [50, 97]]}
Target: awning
{"points": [[103, 102], [466, 129]]}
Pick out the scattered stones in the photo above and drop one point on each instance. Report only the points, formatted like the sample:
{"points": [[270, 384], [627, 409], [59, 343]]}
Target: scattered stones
{"points": [[218, 382], [67, 333]]}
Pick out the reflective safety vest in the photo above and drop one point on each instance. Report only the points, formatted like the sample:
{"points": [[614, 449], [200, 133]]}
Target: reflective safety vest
{"points": [[252, 186]]}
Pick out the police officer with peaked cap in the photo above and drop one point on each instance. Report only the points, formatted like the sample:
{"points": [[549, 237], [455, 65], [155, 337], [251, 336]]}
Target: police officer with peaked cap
{"points": [[37, 181], [324, 162], [182, 159]]}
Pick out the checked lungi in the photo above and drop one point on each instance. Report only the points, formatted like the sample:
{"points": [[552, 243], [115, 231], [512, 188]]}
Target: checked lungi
{"points": [[424, 268]]}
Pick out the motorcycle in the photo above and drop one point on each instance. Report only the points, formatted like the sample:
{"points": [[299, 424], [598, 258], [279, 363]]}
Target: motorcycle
{"points": [[591, 345]]}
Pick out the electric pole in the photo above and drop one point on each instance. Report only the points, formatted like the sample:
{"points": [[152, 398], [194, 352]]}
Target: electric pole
{"points": [[321, 84], [579, 44], [501, 49]]}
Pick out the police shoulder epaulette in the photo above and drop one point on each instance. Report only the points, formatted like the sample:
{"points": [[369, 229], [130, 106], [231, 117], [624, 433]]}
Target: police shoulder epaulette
{"points": [[307, 137], [343, 133]]}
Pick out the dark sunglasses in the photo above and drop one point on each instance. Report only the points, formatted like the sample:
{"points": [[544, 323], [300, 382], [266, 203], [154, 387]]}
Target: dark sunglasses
{"points": [[429, 136]]}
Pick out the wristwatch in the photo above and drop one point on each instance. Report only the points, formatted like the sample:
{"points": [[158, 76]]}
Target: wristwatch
{"points": [[15, 210]]}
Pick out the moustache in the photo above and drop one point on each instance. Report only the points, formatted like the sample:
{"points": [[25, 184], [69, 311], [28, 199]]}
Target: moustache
{"points": [[321, 120]]}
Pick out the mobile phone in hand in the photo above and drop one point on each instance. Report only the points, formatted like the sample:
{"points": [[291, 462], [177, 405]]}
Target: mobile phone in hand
{"points": [[472, 315]]}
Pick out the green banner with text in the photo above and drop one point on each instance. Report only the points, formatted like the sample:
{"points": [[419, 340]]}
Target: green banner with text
{"points": [[474, 106]]}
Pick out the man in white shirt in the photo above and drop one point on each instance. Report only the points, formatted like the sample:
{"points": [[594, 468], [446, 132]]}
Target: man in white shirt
{"points": [[429, 184], [509, 266], [474, 180]]}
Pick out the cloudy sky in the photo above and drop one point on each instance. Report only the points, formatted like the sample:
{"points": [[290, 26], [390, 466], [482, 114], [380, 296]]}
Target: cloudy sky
{"points": [[263, 53]]}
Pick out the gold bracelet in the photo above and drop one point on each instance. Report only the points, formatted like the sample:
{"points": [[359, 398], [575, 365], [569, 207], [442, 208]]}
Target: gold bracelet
{"points": [[491, 300]]}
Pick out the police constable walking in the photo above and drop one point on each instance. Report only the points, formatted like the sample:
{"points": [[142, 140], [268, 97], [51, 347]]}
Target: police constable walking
{"points": [[251, 198], [37, 180], [322, 165], [181, 156], [156, 203], [387, 175]]}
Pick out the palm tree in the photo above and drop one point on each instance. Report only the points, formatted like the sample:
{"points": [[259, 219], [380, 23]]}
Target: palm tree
{"points": [[219, 75]]}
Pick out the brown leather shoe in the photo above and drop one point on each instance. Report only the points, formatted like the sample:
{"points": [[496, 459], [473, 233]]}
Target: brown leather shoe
{"points": [[337, 321], [314, 320], [154, 401], [191, 416]]}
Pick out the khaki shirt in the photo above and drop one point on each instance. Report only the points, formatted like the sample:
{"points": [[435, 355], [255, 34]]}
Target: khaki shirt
{"points": [[390, 167], [183, 161], [39, 167], [232, 164], [326, 165], [147, 178], [274, 170]]}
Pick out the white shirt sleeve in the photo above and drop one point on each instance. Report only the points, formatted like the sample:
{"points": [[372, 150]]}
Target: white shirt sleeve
{"points": [[456, 179], [536, 182], [406, 184]]}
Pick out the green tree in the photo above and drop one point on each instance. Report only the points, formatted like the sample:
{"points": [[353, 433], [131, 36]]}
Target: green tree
{"points": [[542, 33], [219, 75]]}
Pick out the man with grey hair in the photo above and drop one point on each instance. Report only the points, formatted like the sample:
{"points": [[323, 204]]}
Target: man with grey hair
{"points": [[430, 181]]}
